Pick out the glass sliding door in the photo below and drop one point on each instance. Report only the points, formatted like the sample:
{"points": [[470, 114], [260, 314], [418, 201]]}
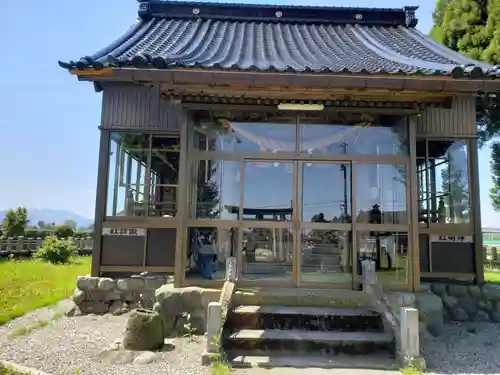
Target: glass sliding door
{"points": [[325, 233], [382, 219], [266, 212]]}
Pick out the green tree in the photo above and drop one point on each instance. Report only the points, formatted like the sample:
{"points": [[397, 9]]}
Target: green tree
{"points": [[15, 222], [472, 27], [495, 172], [71, 223]]}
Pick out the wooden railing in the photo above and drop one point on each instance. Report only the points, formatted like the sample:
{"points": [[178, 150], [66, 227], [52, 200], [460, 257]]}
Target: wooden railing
{"points": [[28, 246]]}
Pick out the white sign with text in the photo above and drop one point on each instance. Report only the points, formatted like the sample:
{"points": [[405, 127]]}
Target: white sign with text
{"points": [[139, 232], [444, 238]]}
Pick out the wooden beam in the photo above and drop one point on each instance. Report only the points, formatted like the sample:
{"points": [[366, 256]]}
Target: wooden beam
{"points": [[306, 94], [106, 72]]}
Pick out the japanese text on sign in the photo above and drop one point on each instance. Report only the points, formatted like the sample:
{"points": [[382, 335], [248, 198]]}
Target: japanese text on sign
{"points": [[123, 232], [444, 238]]}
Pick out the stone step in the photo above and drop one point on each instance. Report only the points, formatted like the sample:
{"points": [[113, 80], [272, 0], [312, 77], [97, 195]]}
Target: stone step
{"points": [[301, 297], [311, 336], [377, 361], [331, 342], [301, 310], [305, 318]]}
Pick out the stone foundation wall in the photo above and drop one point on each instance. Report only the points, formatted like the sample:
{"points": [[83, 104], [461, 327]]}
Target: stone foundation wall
{"points": [[441, 302], [468, 302], [101, 295]]}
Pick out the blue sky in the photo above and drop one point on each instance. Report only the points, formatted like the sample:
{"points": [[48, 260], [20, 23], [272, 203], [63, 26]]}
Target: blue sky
{"points": [[49, 137]]}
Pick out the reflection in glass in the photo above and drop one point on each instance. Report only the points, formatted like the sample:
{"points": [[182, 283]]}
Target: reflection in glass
{"points": [[267, 254], [217, 191], [164, 175], [208, 250], [389, 251], [381, 194], [268, 191], [449, 182], [227, 136], [127, 174], [326, 256], [359, 139], [326, 192]]}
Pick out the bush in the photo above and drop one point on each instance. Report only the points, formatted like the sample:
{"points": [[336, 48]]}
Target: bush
{"points": [[56, 251], [38, 233], [64, 231]]}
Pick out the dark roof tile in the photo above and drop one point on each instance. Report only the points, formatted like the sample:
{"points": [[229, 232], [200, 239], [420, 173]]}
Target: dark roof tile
{"points": [[378, 44]]}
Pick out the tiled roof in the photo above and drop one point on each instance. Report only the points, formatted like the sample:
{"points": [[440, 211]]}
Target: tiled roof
{"points": [[277, 38]]}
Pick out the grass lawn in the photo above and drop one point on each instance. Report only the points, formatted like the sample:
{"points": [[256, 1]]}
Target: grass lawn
{"points": [[28, 285], [492, 276]]}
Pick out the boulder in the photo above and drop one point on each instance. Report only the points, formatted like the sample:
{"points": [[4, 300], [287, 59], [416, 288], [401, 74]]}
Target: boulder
{"points": [[91, 307], [144, 331], [118, 308], [475, 291], [458, 291], [173, 304], [431, 307], [131, 285], [86, 283], [73, 310], [459, 314], [485, 305], [79, 296], [491, 292], [468, 304], [449, 302], [105, 284], [439, 289], [482, 316]]}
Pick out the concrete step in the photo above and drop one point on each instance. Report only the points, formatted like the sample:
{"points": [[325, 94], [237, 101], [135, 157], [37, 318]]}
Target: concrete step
{"points": [[318, 342], [311, 336], [377, 361], [301, 297], [305, 318], [301, 310]]}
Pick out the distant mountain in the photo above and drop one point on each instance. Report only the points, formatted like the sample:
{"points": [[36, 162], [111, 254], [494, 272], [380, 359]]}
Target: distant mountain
{"points": [[53, 216]]}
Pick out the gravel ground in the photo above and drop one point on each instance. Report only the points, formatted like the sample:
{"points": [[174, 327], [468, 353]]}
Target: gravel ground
{"points": [[464, 349], [83, 345]]}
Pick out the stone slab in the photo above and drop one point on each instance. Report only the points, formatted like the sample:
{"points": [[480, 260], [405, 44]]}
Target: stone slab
{"points": [[304, 361], [301, 310], [311, 336]]}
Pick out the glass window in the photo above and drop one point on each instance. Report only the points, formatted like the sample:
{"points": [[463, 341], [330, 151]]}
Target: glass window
{"points": [[268, 191], [164, 175], [389, 251], [381, 194], [444, 182], [208, 250], [216, 194], [267, 254], [223, 135], [326, 256], [326, 192], [360, 138], [127, 193]]}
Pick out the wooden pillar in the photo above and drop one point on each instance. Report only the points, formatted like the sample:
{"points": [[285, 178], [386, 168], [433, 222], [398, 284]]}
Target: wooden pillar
{"points": [[181, 241], [413, 236], [100, 200], [475, 203]]}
